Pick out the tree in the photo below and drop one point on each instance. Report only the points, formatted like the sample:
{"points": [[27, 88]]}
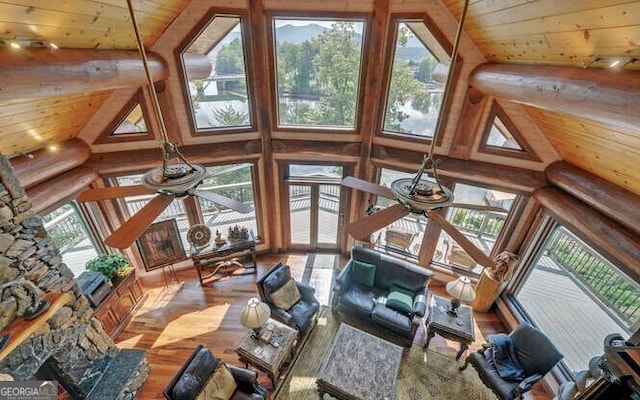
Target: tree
{"points": [[425, 69], [228, 116], [338, 68], [403, 88], [230, 59]]}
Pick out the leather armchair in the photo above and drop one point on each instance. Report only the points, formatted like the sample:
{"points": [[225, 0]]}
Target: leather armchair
{"points": [[536, 354], [303, 315], [194, 374]]}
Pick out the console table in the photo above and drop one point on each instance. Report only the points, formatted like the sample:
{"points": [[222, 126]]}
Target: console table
{"points": [[225, 260]]}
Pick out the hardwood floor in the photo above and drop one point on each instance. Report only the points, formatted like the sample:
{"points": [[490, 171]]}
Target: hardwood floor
{"points": [[177, 317]]}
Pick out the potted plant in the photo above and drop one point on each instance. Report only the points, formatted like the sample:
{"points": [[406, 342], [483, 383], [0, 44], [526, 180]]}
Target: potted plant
{"points": [[111, 265]]}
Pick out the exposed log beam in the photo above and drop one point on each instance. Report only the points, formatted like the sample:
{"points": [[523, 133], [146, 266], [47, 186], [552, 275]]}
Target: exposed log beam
{"points": [[46, 196], [607, 235], [124, 161], [30, 73], [605, 96], [503, 176], [44, 164], [611, 200]]}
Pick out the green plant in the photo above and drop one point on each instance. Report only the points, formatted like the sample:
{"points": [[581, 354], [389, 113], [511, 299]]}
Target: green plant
{"points": [[109, 265]]}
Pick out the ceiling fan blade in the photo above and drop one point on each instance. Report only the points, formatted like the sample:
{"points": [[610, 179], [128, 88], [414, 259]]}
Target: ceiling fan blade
{"points": [[369, 187], [461, 239], [480, 207], [366, 226], [113, 192], [129, 231], [222, 200]]}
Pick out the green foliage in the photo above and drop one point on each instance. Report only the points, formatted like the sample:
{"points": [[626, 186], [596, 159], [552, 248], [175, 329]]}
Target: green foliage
{"points": [[403, 87], [230, 59], [109, 265], [228, 116]]}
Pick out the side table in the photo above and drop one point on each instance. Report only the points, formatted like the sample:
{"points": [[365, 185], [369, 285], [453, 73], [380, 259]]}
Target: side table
{"points": [[458, 327], [268, 357], [224, 260]]}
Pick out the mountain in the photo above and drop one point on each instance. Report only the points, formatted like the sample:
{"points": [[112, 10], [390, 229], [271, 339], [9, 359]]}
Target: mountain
{"points": [[298, 34]]}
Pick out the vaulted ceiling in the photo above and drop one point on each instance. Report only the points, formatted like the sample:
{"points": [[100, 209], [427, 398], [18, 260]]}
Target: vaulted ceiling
{"points": [[540, 32]]}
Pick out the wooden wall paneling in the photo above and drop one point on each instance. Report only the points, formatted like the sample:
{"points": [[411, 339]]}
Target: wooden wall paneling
{"points": [[35, 127], [95, 24], [605, 151], [259, 28], [469, 125]]}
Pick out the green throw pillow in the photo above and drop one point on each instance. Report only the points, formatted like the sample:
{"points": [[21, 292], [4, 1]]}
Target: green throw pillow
{"points": [[400, 299], [363, 273]]}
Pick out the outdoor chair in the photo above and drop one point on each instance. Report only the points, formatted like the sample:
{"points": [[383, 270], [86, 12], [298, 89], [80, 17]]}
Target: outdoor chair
{"points": [[536, 354]]}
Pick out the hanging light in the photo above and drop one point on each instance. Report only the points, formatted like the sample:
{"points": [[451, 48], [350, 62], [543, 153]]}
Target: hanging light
{"points": [[421, 194]]}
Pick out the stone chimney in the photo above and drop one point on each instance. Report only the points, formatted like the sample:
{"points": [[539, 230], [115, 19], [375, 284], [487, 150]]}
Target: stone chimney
{"points": [[71, 346]]}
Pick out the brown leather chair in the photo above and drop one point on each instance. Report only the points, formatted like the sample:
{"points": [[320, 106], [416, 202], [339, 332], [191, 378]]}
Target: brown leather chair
{"points": [[193, 376], [536, 354]]}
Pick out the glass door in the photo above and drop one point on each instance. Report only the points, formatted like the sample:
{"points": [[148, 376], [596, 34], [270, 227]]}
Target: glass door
{"points": [[314, 206]]}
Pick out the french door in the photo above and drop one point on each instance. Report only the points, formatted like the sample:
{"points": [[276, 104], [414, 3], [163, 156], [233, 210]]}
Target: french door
{"points": [[314, 211]]}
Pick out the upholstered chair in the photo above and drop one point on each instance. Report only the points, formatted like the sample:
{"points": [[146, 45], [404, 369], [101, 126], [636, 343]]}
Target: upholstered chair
{"points": [[206, 376], [292, 303], [536, 354]]}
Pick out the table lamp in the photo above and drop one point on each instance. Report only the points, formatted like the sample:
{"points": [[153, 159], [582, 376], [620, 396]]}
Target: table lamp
{"points": [[460, 290], [254, 315]]}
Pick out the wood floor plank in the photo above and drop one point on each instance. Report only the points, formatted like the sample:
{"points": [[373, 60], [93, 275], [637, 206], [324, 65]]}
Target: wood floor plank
{"points": [[175, 318]]}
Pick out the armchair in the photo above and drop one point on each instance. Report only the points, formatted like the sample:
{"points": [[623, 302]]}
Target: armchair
{"points": [[536, 355], [292, 303], [204, 374]]}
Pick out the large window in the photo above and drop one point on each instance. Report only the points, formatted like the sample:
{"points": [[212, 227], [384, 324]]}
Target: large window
{"points": [[414, 98], [220, 100], [405, 235], [318, 63], [66, 228], [236, 182], [481, 227], [576, 296]]}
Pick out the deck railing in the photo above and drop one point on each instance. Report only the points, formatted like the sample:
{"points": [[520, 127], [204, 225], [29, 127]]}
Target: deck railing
{"points": [[66, 230], [479, 223], [620, 294]]}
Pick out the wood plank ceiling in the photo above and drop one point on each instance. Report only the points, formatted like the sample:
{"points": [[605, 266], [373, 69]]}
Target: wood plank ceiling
{"points": [[551, 32]]}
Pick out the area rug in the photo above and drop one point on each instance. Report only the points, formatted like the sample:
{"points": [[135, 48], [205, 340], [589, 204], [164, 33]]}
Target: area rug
{"points": [[424, 374]]}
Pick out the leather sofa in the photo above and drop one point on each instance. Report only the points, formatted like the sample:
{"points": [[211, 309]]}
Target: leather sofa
{"points": [[197, 377], [372, 303]]}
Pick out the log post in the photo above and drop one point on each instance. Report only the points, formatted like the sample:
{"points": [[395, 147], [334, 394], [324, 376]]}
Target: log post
{"points": [[59, 190], [613, 201]]}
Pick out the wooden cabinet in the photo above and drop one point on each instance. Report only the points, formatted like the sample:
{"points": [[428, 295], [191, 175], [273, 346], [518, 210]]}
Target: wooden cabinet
{"points": [[115, 310]]}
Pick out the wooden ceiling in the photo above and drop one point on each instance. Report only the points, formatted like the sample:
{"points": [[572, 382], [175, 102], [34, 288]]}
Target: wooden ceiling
{"points": [[551, 32]]}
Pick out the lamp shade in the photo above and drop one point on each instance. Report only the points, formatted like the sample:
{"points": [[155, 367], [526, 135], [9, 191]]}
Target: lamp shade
{"points": [[461, 289], [254, 314]]}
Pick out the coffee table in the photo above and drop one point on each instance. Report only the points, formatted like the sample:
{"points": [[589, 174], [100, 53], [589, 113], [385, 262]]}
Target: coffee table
{"points": [[359, 366], [457, 328], [269, 357]]}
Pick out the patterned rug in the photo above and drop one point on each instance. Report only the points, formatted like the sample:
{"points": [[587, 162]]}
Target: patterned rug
{"points": [[423, 375]]}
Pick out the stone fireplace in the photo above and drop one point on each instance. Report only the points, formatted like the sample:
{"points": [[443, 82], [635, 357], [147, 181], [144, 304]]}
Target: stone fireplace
{"points": [[70, 345]]}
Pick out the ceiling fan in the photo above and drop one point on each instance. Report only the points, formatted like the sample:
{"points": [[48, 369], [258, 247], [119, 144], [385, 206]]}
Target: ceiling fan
{"points": [[417, 195], [170, 181]]}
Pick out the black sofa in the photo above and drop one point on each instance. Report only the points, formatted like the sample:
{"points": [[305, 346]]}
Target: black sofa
{"points": [[193, 378], [395, 299]]}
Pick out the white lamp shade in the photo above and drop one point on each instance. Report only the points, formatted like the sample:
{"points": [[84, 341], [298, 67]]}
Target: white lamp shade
{"points": [[461, 289], [254, 314]]}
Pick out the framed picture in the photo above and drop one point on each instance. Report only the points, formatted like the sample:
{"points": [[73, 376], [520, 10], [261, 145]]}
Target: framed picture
{"points": [[160, 245]]}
